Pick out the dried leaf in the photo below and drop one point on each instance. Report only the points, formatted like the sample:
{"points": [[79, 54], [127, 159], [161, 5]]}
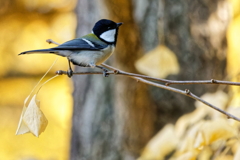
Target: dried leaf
{"points": [[237, 152], [160, 145], [188, 120], [206, 153], [189, 138], [225, 157], [34, 118], [160, 62], [199, 141], [22, 128], [188, 156], [212, 131]]}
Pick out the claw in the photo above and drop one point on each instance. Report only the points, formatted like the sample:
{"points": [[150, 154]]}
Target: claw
{"points": [[69, 73], [105, 73]]}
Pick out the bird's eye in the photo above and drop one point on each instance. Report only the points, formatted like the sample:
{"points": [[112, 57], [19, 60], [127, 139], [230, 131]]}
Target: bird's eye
{"points": [[109, 28]]}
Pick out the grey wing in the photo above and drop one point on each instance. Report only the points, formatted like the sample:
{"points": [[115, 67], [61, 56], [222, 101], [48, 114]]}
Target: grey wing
{"points": [[75, 44], [79, 44]]}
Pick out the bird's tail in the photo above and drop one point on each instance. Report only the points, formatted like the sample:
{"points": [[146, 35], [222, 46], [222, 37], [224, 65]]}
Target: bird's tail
{"points": [[52, 51]]}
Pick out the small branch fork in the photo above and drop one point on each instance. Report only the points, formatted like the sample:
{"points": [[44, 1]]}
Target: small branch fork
{"points": [[148, 80]]}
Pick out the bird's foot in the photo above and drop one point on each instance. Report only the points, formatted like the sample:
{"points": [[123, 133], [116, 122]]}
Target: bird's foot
{"points": [[105, 71], [69, 73]]}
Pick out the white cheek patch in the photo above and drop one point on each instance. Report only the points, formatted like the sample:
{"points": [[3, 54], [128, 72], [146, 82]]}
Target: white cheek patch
{"points": [[109, 35]]}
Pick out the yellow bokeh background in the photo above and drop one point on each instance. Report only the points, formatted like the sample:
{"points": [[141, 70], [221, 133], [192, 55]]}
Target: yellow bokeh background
{"points": [[233, 52], [26, 25]]}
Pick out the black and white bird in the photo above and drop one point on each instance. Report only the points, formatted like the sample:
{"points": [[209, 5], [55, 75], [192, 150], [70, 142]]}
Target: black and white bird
{"points": [[90, 50]]}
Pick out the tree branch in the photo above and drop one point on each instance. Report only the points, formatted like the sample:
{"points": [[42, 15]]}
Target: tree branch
{"points": [[169, 82], [186, 92]]}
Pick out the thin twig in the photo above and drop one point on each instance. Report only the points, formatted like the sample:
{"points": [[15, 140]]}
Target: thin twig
{"points": [[169, 82], [189, 94], [50, 41]]}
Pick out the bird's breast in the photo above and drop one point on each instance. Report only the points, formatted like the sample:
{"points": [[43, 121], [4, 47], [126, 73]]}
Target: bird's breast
{"points": [[108, 51], [93, 57]]}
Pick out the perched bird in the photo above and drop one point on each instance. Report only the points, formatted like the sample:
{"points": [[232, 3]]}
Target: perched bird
{"points": [[90, 50]]}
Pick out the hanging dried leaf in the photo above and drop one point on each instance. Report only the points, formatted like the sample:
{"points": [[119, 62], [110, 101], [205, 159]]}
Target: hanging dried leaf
{"points": [[22, 128], [32, 119]]}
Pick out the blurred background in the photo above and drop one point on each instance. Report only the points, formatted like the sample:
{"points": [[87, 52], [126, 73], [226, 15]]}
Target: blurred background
{"points": [[26, 25], [92, 117]]}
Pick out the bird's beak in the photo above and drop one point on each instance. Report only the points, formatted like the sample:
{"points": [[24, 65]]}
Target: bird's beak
{"points": [[119, 24]]}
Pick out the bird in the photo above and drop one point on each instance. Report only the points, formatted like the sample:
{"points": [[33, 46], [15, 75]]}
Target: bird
{"points": [[90, 50]]}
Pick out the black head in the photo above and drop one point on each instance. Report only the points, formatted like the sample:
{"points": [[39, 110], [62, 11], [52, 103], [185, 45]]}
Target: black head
{"points": [[106, 30]]}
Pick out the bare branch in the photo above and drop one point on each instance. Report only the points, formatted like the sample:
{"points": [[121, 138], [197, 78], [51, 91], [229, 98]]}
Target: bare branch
{"points": [[186, 92], [169, 82], [131, 75], [60, 72]]}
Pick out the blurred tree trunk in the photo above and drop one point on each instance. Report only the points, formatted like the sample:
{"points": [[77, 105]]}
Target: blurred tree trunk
{"points": [[93, 110], [134, 110], [115, 117]]}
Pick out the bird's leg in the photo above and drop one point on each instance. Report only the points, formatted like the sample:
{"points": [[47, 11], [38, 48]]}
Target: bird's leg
{"points": [[93, 65], [70, 71], [105, 74]]}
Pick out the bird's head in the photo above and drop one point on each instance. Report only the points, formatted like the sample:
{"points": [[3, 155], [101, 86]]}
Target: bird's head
{"points": [[106, 30]]}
